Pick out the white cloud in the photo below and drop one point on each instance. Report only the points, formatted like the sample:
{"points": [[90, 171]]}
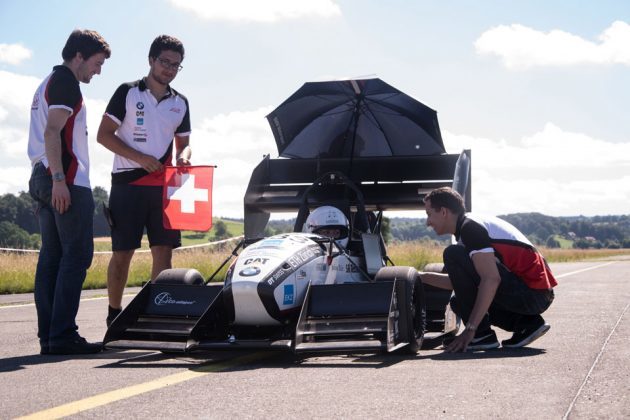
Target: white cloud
{"points": [[14, 53], [553, 172], [236, 142], [520, 47], [267, 11], [16, 95], [101, 159]]}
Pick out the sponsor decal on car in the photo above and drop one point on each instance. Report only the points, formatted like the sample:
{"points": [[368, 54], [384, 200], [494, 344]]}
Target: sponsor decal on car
{"points": [[344, 268], [267, 252], [301, 257], [256, 260], [292, 264], [165, 298], [289, 295], [270, 243], [249, 271]]}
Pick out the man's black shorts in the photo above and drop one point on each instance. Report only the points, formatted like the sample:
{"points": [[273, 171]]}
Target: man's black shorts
{"points": [[134, 208]]}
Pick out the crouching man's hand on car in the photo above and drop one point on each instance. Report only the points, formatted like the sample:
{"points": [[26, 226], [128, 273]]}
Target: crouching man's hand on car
{"points": [[461, 342]]}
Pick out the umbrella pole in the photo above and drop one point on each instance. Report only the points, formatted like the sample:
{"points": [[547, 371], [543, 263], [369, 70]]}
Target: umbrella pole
{"points": [[357, 114]]}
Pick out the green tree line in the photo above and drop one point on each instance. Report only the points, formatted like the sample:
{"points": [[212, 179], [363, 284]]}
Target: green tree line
{"points": [[19, 227], [553, 232], [549, 231]]}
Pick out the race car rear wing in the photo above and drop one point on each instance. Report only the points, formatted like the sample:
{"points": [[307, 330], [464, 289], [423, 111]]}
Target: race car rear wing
{"points": [[386, 183]]}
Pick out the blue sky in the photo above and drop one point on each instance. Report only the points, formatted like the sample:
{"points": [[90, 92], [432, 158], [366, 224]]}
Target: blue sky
{"points": [[537, 89]]}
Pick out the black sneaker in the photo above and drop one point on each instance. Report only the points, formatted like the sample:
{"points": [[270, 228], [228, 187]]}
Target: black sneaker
{"points": [[77, 346], [112, 313], [486, 340], [525, 336]]}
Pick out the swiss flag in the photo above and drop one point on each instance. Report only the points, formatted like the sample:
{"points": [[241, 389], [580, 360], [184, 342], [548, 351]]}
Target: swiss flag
{"points": [[187, 197]]}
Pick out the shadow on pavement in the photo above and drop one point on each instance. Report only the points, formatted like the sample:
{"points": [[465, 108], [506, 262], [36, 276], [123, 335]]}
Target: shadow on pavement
{"points": [[267, 359], [157, 359], [151, 359], [11, 364], [499, 353]]}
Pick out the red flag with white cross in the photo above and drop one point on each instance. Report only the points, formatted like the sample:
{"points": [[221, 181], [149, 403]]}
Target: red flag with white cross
{"points": [[187, 198]]}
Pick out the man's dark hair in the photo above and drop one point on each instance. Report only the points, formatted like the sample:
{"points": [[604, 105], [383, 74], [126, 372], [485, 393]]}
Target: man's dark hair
{"points": [[446, 197], [85, 42], [165, 42]]}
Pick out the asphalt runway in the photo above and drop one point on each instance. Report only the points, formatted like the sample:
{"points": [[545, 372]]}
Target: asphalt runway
{"points": [[578, 370]]}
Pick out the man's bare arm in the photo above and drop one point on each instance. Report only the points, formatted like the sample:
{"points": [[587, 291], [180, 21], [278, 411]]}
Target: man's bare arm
{"points": [[183, 151], [486, 266], [57, 118], [436, 279]]}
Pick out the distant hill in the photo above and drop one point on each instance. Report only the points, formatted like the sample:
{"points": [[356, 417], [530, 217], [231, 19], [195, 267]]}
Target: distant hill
{"points": [[19, 228], [553, 232], [580, 231]]}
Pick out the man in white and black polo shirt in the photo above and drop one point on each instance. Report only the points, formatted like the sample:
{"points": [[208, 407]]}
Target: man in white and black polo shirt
{"points": [[498, 277], [142, 122], [60, 186]]}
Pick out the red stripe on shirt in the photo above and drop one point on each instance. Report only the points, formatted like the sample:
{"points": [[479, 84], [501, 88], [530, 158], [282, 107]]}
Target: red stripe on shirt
{"points": [[526, 263]]}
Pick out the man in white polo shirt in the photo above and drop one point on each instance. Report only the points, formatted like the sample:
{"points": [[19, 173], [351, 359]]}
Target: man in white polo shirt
{"points": [[142, 122], [60, 185]]}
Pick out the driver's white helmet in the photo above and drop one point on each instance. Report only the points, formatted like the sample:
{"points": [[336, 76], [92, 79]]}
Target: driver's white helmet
{"points": [[328, 217]]}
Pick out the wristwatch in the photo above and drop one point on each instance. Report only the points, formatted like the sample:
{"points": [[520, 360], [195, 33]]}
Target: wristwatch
{"points": [[58, 176]]}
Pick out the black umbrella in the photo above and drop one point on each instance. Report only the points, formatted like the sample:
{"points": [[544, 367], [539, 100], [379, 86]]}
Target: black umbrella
{"points": [[351, 118]]}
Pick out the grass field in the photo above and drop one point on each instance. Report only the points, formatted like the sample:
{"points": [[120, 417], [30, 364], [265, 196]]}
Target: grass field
{"points": [[188, 237], [17, 271]]}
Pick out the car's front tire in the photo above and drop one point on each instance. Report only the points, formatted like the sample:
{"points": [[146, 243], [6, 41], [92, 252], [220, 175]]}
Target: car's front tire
{"points": [[413, 306]]}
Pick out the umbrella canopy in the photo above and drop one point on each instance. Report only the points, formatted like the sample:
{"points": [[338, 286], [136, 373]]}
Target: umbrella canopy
{"points": [[354, 118]]}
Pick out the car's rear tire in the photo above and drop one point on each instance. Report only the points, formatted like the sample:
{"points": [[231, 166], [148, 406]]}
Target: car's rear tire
{"points": [[413, 306], [188, 276]]}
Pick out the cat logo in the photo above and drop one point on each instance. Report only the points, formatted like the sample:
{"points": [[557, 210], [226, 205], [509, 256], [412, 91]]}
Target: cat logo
{"points": [[259, 260]]}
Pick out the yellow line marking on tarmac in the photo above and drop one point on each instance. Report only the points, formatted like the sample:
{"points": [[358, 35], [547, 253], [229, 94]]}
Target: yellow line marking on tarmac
{"points": [[21, 305], [584, 269], [131, 391]]}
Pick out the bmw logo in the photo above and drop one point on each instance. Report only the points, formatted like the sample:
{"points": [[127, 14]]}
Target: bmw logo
{"points": [[249, 271], [140, 105]]}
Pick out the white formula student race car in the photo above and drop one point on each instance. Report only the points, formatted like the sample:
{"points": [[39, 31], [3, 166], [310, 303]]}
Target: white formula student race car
{"points": [[300, 291]]}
